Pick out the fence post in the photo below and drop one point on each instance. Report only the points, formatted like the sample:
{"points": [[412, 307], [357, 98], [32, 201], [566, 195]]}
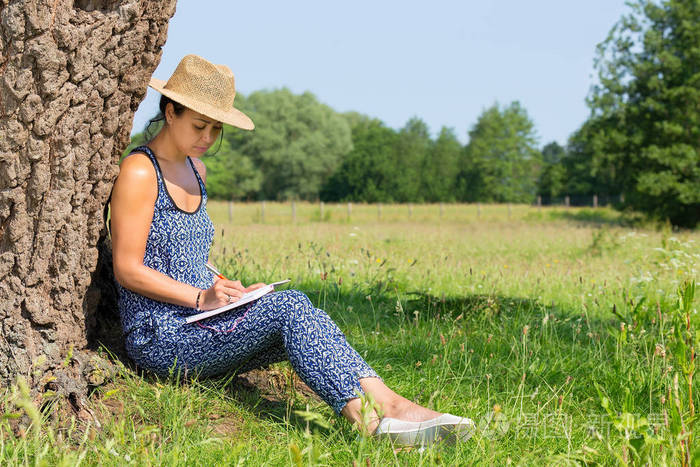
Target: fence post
{"points": [[567, 201], [379, 210], [622, 198], [442, 210], [539, 202], [508, 211], [349, 210], [294, 211], [230, 211], [478, 210], [595, 201], [262, 212], [321, 218], [410, 210]]}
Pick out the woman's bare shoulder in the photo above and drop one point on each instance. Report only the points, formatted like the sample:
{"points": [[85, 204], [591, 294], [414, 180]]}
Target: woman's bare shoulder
{"points": [[137, 166], [137, 177]]}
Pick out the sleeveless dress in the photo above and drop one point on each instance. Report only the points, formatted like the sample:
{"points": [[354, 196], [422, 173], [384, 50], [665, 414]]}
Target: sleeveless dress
{"points": [[178, 246]]}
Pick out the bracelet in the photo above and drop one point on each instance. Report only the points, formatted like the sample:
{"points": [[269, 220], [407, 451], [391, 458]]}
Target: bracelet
{"points": [[199, 294]]}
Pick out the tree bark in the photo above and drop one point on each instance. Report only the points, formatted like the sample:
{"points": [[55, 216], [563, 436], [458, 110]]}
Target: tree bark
{"points": [[72, 74]]}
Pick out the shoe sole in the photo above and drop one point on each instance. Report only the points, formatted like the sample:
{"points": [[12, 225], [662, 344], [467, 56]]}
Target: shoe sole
{"points": [[448, 433]]}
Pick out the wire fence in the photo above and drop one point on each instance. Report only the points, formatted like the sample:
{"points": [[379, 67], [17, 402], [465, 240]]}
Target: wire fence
{"points": [[593, 201], [275, 212]]}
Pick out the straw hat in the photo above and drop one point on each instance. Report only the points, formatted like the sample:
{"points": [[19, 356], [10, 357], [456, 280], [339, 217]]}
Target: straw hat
{"points": [[205, 88]]}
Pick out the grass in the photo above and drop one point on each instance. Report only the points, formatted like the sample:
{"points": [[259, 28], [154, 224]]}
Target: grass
{"points": [[561, 332]]}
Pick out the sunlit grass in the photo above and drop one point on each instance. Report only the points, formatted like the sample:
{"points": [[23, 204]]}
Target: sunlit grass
{"points": [[508, 316]]}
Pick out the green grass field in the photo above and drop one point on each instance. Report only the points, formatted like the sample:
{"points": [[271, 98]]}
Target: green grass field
{"points": [[559, 331]]}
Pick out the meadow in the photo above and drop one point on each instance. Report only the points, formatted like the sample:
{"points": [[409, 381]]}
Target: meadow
{"points": [[567, 334]]}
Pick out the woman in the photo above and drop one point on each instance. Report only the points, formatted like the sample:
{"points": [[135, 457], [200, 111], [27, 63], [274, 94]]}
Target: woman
{"points": [[161, 235]]}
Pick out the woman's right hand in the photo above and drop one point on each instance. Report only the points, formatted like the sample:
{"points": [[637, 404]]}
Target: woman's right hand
{"points": [[223, 291]]}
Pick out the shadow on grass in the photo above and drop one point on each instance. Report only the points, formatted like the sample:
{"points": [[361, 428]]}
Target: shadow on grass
{"points": [[274, 393], [594, 217]]}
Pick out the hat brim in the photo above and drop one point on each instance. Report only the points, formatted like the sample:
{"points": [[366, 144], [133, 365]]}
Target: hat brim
{"points": [[233, 117]]}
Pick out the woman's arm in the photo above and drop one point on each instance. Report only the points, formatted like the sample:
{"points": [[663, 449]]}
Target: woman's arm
{"points": [[133, 201]]}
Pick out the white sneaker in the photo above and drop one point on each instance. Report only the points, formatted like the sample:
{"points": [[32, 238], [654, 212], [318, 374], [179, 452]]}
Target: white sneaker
{"points": [[448, 428]]}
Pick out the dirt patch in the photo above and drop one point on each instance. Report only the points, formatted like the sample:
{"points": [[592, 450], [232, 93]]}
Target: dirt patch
{"points": [[276, 384], [114, 406], [226, 426]]}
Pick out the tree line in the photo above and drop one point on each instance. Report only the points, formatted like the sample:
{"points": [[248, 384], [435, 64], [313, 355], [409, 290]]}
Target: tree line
{"points": [[640, 143], [302, 149]]}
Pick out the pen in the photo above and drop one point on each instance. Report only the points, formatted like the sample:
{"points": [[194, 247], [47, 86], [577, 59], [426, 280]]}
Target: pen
{"points": [[215, 271]]}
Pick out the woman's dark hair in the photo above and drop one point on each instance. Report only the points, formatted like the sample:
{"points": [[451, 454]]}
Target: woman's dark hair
{"points": [[159, 119]]}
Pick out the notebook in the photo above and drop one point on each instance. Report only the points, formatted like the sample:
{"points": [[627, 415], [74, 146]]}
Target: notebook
{"points": [[247, 298]]}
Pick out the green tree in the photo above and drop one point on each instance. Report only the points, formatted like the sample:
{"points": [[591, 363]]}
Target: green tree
{"points": [[585, 176], [440, 168], [297, 143], [411, 150], [367, 172], [501, 161], [230, 174], [644, 128], [552, 179], [553, 153]]}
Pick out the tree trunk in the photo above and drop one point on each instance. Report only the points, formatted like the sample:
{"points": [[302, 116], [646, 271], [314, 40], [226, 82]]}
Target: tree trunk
{"points": [[72, 74]]}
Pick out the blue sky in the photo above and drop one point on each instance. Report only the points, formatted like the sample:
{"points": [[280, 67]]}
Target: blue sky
{"points": [[443, 61]]}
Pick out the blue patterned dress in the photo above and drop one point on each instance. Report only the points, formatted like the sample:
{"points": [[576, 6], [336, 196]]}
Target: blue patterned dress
{"points": [[280, 325]]}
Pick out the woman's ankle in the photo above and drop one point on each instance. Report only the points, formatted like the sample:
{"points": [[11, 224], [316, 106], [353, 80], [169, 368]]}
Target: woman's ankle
{"points": [[409, 411], [366, 423]]}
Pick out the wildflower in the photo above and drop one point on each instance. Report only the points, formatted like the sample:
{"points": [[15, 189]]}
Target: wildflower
{"points": [[526, 328], [461, 347], [442, 340], [378, 260], [549, 265], [505, 266], [496, 408], [659, 351], [418, 364], [369, 297]]}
